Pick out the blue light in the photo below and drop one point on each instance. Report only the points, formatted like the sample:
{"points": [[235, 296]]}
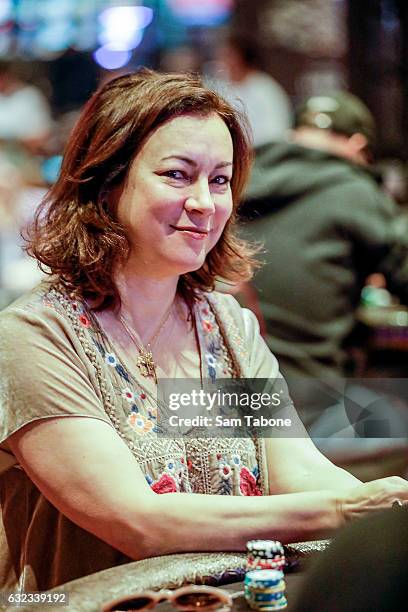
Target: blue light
{"points": [[202, 12], [5, 10], [55, 36], [125, 43], [50, 169], [122, 26], [111, 59]]}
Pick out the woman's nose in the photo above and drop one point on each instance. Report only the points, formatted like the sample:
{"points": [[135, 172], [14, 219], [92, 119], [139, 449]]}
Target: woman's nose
{"points": [[200, 200]]}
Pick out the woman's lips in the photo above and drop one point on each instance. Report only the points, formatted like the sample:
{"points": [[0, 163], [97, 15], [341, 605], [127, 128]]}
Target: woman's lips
{"points": [[193, 232]]}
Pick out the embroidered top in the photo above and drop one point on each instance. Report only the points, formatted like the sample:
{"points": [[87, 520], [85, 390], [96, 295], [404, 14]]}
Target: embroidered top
{"points": [[55, 361]]}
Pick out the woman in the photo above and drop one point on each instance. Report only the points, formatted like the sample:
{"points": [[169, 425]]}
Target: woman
{"points": [[135, 231]]}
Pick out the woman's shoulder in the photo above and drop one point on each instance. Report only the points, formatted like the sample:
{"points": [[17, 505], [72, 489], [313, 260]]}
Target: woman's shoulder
{"points": [[227, 306], [43, 306], [241, 329], [31, 300]]}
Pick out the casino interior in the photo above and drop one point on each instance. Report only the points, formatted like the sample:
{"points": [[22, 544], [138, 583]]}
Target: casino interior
{"points": [[53, 56]]}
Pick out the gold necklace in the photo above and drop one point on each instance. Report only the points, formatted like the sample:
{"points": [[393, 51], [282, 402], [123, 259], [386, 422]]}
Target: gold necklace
{"points": [[145, 361]]}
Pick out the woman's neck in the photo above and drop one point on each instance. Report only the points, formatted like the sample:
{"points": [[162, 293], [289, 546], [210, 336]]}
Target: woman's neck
{"points": [[145, 302]]}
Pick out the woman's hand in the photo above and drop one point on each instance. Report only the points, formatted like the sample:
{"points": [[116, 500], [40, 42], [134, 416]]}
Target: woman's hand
{"points": [[375, 495]]}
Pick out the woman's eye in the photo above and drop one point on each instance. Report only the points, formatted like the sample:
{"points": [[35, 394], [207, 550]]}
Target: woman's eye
{"points": [[176, 174], [221, 180]]}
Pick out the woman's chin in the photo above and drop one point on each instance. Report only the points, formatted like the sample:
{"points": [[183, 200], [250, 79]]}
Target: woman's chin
{"points": [[189, 265]]}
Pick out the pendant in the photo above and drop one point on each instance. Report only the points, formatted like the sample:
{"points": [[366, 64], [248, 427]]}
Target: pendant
{"points": [[145, 363]]}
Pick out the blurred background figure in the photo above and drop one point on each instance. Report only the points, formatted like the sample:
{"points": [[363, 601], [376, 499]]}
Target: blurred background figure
{"points": [[180, 59], [316, 205], [25, 115], [26, 129], [249, 88]]}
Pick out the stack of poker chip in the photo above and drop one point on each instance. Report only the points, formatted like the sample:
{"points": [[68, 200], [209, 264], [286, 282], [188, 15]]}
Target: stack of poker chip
{"points": [[265, 590], [265, 554]]}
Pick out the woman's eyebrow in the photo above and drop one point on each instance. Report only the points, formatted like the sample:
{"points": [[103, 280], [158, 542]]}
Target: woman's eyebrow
{"points": [[193, 163]]}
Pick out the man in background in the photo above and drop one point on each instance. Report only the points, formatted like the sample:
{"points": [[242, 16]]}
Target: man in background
{"points": [[252, 90], [326, 225]]}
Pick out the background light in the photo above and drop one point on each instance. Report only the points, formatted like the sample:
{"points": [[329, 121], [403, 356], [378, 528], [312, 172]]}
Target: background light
{"points": [[201, 12], [5, 10], [125, 42], [111, 59], [55, 37], [122, 26]]}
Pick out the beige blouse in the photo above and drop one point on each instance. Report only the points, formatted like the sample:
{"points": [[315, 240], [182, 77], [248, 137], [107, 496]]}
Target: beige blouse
{"points": [[56, 361]]}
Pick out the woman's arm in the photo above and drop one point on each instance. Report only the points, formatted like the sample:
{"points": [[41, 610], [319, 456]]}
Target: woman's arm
{"points": [[90, 475], [295, 464]]}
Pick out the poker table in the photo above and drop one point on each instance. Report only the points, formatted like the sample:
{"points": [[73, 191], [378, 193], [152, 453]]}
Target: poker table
{"points": [[293, 583], [226, 570]]}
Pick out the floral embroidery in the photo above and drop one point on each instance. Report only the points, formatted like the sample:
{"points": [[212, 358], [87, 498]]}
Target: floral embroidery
{"points": [[85, 322], [230, 472], [128, 395], [111, 360], [153, 412], [165, 484], [211, 361], [99, 347], [211, 337], [77, 307], [170, 467], [247, 483], [225, 474], [207, 325], [181, 473], [225, 471], [177, 470], [122, 372], [139, 423]]}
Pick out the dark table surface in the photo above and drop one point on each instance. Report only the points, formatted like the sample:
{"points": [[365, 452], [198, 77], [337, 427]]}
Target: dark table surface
{"points": [[89, 593], [292, 581]]}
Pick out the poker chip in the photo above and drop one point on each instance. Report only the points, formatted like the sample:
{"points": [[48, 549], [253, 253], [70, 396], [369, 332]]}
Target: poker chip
{"points": [[265, 590], [257, 563], [263, 579], [264, 548], [265, 554]]}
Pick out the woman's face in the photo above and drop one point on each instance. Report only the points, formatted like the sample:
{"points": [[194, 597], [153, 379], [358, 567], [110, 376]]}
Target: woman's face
{"points": [[177, 197]]}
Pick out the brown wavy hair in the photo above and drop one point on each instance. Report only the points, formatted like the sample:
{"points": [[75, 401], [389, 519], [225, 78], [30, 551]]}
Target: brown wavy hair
{"points": [[75, 234]]}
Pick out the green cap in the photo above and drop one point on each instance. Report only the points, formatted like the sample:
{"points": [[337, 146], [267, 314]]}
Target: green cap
{"points": [[339, 112]]}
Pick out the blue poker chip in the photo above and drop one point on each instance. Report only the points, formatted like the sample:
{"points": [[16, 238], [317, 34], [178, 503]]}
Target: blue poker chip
{"points": [[264, 597], [265, 601], [270, 607], [263, 578]]}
